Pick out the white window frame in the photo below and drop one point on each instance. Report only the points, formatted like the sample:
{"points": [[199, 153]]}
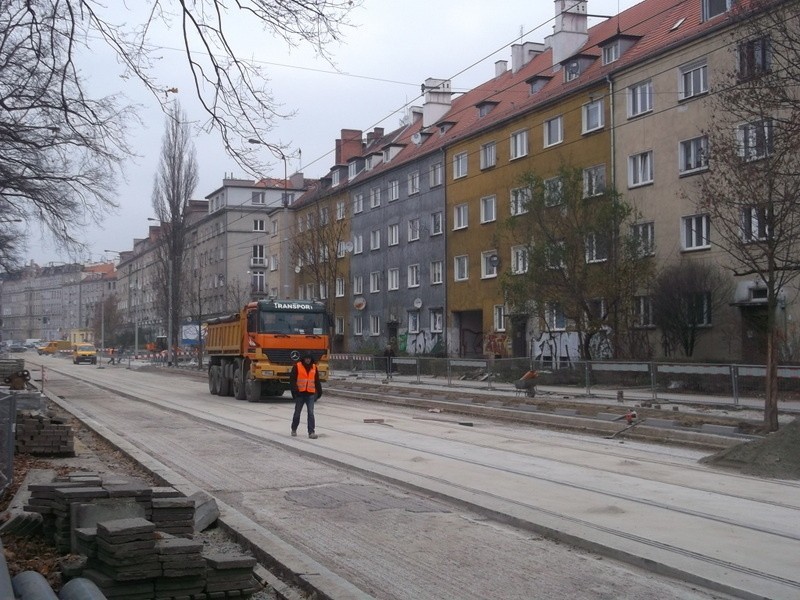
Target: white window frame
{"points": [[611, 52], [460, 216], [436, 174], [358, 326], [437, 223], [352, 169], [643, 312], [488, 155], [413, 229], [520, 197], [358, 243], [259, 225], [437, 320], [693, 155], [437, 272], [413, 276], [703, 309], [375, 282], [393, 279], [717, 7], [640, 98], [693, 80], [645, 236], [358, 285], [340, 287], [273, 262], [338, 328], [554, 317], [460, 165], [375, 197], [596, 248], [340, 210], [696, 232], [488, 270], [754, 223], [754, 57], [591, 187], [640, 169], [488, 209], [499, 317], [374, 325], [413, 321], [257, 198], [394, 190], [519, 260], [413, 183], [519, 144], [258, 281], [358, 203], [755, 139], [553, 191], [593, 117], [393, 234], [335, 178], [553, 131], [375, 239], [461, 267]]}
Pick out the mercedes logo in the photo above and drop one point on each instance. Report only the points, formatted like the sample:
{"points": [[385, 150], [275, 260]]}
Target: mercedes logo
{"points": [[294, 355]]}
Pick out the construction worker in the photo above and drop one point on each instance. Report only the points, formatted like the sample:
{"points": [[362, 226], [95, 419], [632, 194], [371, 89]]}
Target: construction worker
{"points": [[306, 388]]}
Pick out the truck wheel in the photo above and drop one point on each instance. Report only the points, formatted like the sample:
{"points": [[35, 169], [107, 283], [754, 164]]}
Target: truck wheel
{"points": [[213, 380], [238, 384], [224, 386], [252, 389]]}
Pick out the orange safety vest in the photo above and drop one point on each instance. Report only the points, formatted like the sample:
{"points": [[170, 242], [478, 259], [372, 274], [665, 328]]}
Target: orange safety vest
{"points": [[306, 379]]}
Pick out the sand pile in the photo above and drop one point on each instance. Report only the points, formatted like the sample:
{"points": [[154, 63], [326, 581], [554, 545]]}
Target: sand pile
{"points": [[776, 456]]}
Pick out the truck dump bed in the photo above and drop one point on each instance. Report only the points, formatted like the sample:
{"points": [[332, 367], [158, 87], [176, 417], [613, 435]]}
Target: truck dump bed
{"points": [[224, 338]]}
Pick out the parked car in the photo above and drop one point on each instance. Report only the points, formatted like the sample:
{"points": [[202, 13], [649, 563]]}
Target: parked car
{"points": [[17, 347], [84, 353]]}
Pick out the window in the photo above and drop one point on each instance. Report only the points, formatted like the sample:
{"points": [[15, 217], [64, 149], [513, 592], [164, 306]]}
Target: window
{"points": [[643, 311], [437, 272], [592, 116], [594, 181], [273, 262], [394, 190], [374, 325], [340, 210], [339, 326], [334, 178], [258, 225], [257, 198], [375, 282], [437, 320], [499, 319], [553, 131], [358, 244], [413, 229], [644, 235], [358, 203], [754, 58], [554, 255], [520, 198], [413, 321], [696, 232], [393, 235], [461, 264], [712, 8], [596, 248], [693, 155], [258, 281], [554, 317], [358, 285], [358, 326], [755, 226], [413, 276], [393, 279], [460, 165], [340, 287], [437, 223], [489, 262], [274, 227], [640, 169], [596, 309], [694, 80], [257, 257], [352, 170], [519, 260], [611, 53], [323, 291], [460, 216], [484, 108], [375, 197], [413, 183], [375, 240], [755, 139], [553, 191], [699, 307], [488, 209], [323, 215], [640, 98], [519, 144], [488, 155], [436, 174]]}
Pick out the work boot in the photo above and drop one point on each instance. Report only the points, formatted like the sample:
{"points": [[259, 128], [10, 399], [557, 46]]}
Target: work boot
{"points": [[294, 433], [312, 435]]}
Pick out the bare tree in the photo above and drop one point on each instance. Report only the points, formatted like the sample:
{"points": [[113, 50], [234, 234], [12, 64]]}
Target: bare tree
{"points": [[194, 303], [173, 187], [572, 265], [752, 189], [237, 293], [107, 321], [685, 298], [61, 147]]}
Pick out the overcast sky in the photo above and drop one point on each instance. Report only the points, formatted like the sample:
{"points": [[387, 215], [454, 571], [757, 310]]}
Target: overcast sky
{"points": [[380, 65]]}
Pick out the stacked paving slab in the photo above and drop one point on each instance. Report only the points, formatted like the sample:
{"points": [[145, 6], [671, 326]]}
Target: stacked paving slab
{"points": [[150, 554], [41, 435]]}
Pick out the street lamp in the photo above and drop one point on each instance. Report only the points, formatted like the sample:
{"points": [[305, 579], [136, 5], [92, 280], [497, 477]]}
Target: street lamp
{"points": [[169, 301], [278, 153]]}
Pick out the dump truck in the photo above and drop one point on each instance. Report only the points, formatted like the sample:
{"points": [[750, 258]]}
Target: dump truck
{"points": [[251, 353]]}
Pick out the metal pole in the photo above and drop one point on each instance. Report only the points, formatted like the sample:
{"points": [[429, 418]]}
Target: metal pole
{"points": [[102, 328], [169, 314], [285, 238]]}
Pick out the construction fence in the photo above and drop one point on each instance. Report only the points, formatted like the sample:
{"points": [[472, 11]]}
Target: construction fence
{"points": [[8, 416]]}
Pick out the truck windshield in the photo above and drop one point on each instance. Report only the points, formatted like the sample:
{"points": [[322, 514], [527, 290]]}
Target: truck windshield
{"points": [[292, 323]]}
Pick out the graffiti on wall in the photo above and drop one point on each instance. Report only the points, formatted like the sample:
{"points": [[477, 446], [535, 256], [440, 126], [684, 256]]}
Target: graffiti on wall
{"points": [[497, 344], [564, 347], [423, 342]]}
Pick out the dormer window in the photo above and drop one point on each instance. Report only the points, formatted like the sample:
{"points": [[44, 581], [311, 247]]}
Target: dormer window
{"points": [[712, 8], [484, 108], [572, 70], [444, 126], [537, 82], [335, 178], [352, 169], [611, 53]]}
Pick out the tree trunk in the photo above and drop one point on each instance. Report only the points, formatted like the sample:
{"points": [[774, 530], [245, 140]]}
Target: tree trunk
{"points": [[771, 400]]}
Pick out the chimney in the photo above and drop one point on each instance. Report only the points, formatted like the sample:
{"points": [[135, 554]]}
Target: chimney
{"points": [[375, 134], [348, 146], [500, 67], [571, 29], [522, 54], [415, 113], [297, 181], [437, 100]]}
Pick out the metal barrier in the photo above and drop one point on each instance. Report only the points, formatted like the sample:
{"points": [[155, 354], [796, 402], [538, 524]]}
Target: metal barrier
{"points": [[8, 417]]}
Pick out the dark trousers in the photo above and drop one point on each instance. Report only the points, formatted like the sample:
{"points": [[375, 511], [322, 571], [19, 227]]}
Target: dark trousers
{"points": [[306, 400]]}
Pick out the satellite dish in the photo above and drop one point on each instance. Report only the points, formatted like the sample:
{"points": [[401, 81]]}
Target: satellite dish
{"points": [[494, 260], [297, 269], [416, 138], [349, 246], [574, 68], [417, 302]]}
